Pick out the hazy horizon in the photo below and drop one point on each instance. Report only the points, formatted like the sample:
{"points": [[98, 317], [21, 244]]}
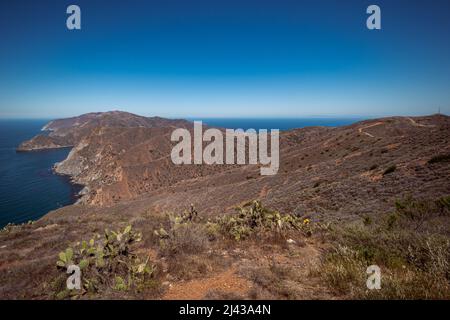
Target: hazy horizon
{"points": [[200, 117], [225, 59]]}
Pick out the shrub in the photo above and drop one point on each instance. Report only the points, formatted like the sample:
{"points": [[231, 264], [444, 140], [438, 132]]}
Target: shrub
{"points": [[391, 221], [439, 158], [417, 211], [443, 205], [413, 210], [367, 220], [279, 280], [183, 237], [390, 169], [10, 227], [343, 269], [253, 218], [103, 260], [212, 230], [187, 267], [415, 264]]}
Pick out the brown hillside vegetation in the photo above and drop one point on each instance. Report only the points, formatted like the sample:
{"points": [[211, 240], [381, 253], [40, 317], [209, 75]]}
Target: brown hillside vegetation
{"points": [[375, 192]]}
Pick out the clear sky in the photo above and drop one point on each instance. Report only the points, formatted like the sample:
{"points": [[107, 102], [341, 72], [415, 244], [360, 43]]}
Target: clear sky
{"points": [[224, 58]]}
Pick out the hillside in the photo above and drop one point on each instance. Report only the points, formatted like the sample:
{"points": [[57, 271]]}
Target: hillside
{"points": [[327, 175], [70, 131], [322, 170]]}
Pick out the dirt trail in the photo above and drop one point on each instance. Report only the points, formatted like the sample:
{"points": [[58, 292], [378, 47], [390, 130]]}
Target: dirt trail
{"points": [[411, 120], [300, 259], [414, 123], [227, 282], [360, 130]]}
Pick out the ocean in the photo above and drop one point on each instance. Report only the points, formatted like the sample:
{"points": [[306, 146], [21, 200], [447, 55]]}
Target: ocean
{"points": [[29, 189], [279, 123]]}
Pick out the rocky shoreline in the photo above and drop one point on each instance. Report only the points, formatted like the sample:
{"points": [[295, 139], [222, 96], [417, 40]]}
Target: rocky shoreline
{"points": [[40, 143], [83, 190], [62, 169]]}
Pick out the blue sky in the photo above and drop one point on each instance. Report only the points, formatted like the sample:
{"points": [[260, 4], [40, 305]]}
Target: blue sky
{"points": [[224, 58]]}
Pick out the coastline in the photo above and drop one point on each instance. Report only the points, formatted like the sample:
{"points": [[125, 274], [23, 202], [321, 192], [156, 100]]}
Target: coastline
{"points": [[73, 167], [19, 150], [76, 187], [79, 189]]}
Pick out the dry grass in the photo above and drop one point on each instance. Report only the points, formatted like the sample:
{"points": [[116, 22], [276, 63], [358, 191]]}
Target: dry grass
{"points": [[275, 281], [415, 262], [186, 238]]}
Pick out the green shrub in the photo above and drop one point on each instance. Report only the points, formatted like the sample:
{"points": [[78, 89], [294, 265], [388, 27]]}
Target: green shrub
{"points": [[253, 218], [417, 211], [102, 260], [212, 230]]}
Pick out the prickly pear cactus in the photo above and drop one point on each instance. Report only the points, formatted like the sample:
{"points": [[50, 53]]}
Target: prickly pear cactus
{"points": [[103, 259]]}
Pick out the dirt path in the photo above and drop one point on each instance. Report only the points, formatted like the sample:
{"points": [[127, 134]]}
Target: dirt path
{"points": [[361, 130], [299, 260], [226, 282], [414, 123]]}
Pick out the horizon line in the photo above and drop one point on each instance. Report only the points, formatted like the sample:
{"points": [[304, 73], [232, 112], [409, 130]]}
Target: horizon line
{"points": [[200, 117]]}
